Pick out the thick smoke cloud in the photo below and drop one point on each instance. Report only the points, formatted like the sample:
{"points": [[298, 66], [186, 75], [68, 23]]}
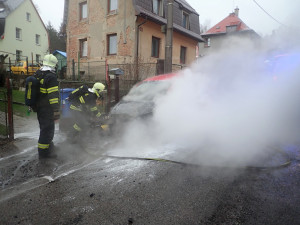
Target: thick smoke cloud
{"points": [[230, 107]]}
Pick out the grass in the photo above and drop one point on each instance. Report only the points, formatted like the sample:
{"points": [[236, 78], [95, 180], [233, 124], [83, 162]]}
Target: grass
{"points": [[3, 130], [18, 96], [18, 109]]}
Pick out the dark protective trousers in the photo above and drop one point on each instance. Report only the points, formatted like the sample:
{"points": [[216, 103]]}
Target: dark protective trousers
{"points": [[80, 129], [47, 126]]}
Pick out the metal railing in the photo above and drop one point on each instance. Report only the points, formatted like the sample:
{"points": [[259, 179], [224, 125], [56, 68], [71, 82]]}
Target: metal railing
{"points": [[3, 117]]}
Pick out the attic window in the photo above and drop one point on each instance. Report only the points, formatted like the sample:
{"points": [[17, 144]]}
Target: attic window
{"points": [[185, 20], [218, 27], [231, 28], [157, 7]]}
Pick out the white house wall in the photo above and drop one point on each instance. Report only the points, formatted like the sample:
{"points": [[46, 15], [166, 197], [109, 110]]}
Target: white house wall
{"points": [[29, 30]]}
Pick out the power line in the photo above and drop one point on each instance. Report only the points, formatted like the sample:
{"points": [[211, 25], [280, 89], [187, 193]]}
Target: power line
{"points": [[268, 13]]}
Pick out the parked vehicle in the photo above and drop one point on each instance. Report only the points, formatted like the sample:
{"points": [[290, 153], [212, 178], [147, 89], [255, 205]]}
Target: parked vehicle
{"points": [[22, 69], [139, 103], [283, 65]]}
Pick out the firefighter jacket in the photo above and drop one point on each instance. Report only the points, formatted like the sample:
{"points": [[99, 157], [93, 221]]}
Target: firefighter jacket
{"points": [[83, 100], [49, 94]]}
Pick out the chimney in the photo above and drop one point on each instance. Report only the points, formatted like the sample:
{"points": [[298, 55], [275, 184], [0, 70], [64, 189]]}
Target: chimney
{"points": [[236, 11]]}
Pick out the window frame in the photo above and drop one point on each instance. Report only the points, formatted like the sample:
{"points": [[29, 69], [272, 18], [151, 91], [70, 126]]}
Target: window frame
{"points": [[111, 10], [160, 9], [83, 48], [18, 33], [28, 16], [81, 10], [38, 58], [183, 51], [18, 55], [37, 39], [155, 50], [185, 20], [109, 42], [207, 42]]}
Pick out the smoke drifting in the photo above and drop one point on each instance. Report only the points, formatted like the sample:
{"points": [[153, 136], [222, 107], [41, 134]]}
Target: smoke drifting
{"points": [[228, 108]]}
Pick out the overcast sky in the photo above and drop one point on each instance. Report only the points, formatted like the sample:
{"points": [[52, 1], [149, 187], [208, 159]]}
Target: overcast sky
{"points": [[51, 10], [211, 12]]}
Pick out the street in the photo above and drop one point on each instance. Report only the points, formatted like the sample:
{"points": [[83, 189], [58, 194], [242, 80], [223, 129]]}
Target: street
{"points": [[84, 187]]}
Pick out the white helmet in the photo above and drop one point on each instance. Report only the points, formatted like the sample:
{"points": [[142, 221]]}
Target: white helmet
{"points": [[97, 88], [50, 60]]}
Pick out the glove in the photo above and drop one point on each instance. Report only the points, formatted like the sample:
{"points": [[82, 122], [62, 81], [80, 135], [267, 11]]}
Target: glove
{"points": [[56, 115]]}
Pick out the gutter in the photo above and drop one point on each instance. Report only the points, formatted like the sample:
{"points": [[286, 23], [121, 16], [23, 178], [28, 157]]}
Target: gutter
{"points": [[138, 37]]}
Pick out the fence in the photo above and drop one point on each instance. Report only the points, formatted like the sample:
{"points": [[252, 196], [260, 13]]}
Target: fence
{"points": [[3, 116], [6, 113], [73, 76]]}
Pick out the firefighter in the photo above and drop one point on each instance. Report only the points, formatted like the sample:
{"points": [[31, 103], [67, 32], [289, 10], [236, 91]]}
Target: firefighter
{"points": [[47, 105], [84, 110]]}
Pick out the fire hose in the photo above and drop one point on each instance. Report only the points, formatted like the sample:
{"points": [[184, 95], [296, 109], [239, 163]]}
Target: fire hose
{"points": [[281, 165], [261, 168]]}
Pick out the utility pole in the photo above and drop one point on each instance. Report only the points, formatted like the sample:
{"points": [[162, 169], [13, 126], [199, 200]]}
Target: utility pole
{"points": [[169, 38]]}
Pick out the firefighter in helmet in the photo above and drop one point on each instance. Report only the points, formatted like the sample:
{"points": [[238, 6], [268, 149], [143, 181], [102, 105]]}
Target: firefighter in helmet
{"points": [[84, 110], [47, 107]]}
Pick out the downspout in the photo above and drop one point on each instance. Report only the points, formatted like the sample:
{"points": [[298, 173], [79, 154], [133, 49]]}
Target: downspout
{"points": [[137, 48], [125, 37], [138, 38]]}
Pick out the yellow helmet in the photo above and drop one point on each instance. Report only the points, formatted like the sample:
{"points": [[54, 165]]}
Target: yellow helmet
{"points": [[98, 87], [50, 60]]}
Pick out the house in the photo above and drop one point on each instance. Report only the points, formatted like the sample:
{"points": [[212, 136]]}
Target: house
{"points": [[22, 32], [231, 26], [127, 32], [62, 61]]}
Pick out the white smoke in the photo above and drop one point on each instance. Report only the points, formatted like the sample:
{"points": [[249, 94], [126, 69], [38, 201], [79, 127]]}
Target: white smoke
{"points": [[226, 108]]}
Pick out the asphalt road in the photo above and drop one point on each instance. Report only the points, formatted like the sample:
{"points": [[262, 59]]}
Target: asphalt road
{"points": [[87, 188]]}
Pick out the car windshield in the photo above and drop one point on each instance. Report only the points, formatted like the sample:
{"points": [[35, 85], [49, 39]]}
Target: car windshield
{"points": [[147, 91]]}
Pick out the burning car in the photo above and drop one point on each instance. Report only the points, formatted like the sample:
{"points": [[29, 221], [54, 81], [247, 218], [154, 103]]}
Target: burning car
{"points": [[140, 101]]}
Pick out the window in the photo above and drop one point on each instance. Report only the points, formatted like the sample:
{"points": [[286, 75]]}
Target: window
{"points": [[37, 39], [231, 28], [18, 55], [112, 44], [2, 7], [112, 6], [155, 47], [18, 34], [37, 58], [157, 7], [182, 54], [207, 42], [83, 47], [83, 10], [185, 20], [28, 17]]}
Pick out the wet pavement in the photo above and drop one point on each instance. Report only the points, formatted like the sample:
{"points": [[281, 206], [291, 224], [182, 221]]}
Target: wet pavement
{"points": [[90, 187]]}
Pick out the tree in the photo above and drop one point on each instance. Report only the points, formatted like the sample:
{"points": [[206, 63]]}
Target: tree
{"points": [[56, 39], [205, 26]]}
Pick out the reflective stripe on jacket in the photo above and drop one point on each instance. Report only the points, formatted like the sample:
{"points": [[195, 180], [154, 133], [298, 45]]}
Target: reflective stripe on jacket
{"points": [[49, 93]]}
